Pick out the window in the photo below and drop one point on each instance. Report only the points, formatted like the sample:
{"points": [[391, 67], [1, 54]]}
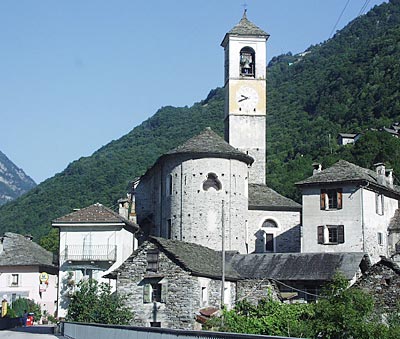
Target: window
{"points": [[212, 181], [204, 296], [169, 228], [379, 203], [155, 324], [380, 238], [168, 185], [331, 234], [14, 279], [270, 223], [331, 199], [155, 290], [247, 62], [152, 260], [269, 242]]}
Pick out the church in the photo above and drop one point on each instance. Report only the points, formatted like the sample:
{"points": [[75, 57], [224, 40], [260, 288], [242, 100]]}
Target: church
{"points": [[212, 190]]}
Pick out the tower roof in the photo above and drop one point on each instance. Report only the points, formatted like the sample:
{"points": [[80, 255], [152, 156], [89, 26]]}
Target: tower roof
{"points": [[210, 144], [247, 28]]}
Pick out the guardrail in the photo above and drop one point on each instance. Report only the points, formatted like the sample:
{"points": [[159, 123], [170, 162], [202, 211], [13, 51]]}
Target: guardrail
{"points": [[89, 331], [89, 253]]}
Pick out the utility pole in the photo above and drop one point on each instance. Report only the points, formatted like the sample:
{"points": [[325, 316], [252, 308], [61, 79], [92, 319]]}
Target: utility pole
{"points": [[223, 256]]}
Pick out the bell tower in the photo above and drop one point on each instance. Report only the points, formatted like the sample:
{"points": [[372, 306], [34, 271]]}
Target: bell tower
{"points": [[245, 93]]}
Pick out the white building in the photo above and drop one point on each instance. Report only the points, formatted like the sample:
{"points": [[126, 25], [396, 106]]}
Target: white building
{"points": [[93, 242], [347, 208], [209, 185], [27, 271]]}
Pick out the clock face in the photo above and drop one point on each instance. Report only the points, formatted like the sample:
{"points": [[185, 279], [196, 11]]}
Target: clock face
{"points": [[247, 99]]}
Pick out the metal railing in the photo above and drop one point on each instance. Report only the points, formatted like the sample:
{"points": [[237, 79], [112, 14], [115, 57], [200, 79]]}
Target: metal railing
{"points": [[89, 331], [89, 253]]}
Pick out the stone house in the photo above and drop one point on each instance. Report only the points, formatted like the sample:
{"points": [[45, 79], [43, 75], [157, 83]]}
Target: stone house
{"points": [[382, 282], [27, 271], [167, 282], [347, 208], [171, 283], [348, 138], [93, 241]]}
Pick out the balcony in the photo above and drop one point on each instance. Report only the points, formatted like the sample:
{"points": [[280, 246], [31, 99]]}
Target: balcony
{"points": [[89, 253]]}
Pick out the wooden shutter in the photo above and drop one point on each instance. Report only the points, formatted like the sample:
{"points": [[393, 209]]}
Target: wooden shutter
{"points": [[164, 291], [340, 231], [322, 200], [147, 293], [320, 234], [339, 198]]}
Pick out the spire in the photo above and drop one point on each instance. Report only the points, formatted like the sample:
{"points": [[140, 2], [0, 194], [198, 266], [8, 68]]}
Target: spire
{"points": [[244, 13]]}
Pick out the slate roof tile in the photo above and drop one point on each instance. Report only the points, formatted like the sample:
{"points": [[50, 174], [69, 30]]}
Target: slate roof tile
{"points": [[296, 266], [96, 213], [246, 27], [20, 251], [209, 143], [263, 197], [344, 171]]}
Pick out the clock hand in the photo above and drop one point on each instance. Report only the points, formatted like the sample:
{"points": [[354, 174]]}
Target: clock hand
{"points": [[244, 98]]}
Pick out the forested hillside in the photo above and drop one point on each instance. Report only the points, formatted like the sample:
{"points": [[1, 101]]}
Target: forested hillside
{"points": [[348, 84]]}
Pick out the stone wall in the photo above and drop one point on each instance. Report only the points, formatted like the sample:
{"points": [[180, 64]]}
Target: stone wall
{"points": [[256, 289], [382, 282], [184, 291], [195, 214]]}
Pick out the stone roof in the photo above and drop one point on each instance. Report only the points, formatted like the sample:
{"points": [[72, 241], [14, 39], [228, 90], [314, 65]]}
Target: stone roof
{"points": [[246, 27], [210, 144], [96, 213], [263, 197], [18, 250], [199, 260], [344, 171], [296, 266]]}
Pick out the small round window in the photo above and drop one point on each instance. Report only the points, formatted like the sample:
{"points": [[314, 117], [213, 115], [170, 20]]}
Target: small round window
{"points": [[212, 181]]}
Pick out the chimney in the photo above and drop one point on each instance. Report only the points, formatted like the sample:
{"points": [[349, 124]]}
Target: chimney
{"points": [[389, 177], [380, 173], [28, 237], [123, 207], [317, 168]]}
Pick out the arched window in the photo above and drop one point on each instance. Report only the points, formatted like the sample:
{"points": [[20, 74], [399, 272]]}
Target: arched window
{"points": [[247, 62], [270, 223], [212, 182]]}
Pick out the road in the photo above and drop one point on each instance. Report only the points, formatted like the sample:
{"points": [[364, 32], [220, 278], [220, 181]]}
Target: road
{"points": [[30, 332]]}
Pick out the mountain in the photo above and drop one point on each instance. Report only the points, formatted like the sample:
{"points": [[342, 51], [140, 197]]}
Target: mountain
{"points": [[13, 181], [349, 83]]}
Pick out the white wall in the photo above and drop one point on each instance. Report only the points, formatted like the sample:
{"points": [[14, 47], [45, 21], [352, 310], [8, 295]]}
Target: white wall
{"points": [[286, 235], [28, 284]]}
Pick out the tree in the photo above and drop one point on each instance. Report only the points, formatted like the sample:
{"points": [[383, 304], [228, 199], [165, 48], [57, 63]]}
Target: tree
{"points": [[21, 305], [94, 303]]}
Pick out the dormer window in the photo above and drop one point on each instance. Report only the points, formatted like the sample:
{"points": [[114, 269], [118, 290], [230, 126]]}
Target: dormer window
{"points": [[247, 62]]}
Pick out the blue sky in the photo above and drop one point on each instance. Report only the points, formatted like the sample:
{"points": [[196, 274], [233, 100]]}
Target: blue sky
{"points": [[75, 74]]}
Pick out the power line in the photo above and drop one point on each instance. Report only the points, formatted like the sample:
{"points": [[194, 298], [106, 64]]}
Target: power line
{"points": [[340, 17], [364, 7]]}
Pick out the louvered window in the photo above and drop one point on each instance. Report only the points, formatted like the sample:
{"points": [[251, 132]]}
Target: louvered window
{"points": [[330, 234]]}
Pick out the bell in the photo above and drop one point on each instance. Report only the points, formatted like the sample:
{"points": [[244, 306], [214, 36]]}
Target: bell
{"points": [[246, 64]]}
